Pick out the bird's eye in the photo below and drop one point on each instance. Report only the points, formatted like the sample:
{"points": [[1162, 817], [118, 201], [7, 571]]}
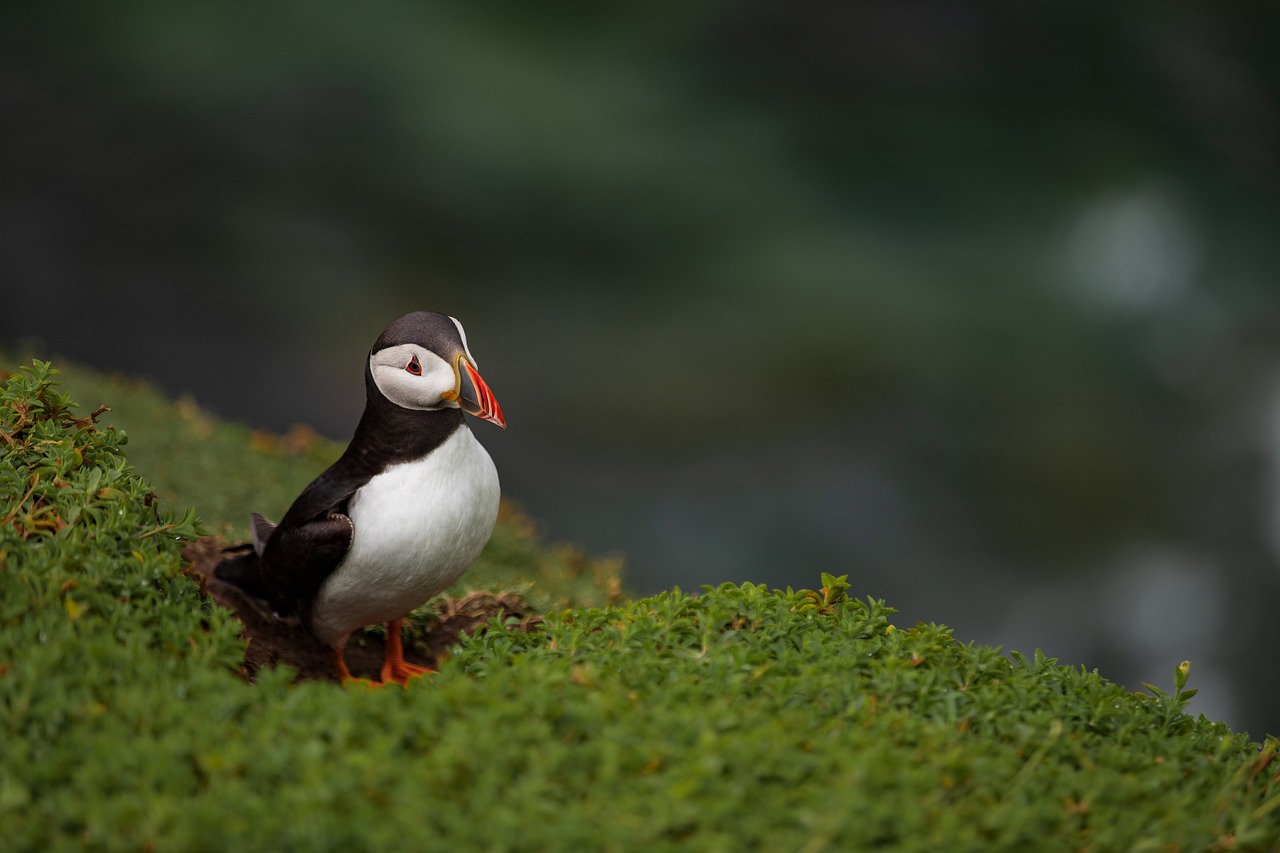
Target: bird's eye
{"points": [[414, 366]]}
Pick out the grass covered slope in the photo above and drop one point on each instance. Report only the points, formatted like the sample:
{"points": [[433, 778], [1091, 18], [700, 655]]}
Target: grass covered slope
{"points": [[739, 719]]}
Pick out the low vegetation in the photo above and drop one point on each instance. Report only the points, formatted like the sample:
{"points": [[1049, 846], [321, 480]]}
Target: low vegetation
{"points": [[740, 718]]}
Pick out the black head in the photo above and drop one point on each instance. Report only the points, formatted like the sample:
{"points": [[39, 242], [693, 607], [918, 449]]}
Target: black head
{"points": [[421, 362], [437, 332]]}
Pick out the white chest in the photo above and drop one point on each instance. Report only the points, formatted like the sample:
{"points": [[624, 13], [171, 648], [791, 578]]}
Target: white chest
{"points": [[418, 526]]}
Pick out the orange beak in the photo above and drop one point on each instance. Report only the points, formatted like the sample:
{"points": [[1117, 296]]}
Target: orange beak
{"points": [[473, 394]]}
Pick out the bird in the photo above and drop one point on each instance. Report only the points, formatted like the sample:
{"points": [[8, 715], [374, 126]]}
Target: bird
{"points": [[400, 515]]}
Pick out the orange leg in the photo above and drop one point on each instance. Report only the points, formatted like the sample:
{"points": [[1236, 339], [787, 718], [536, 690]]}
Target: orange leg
{"points": [[344, 674], [396, 668]]}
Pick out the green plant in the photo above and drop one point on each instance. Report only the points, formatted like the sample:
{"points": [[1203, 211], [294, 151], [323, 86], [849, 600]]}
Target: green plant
{"points": [[741, 718]]}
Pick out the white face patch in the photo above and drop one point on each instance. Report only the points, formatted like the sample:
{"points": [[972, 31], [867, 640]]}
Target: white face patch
{"points": [[413, 377]]}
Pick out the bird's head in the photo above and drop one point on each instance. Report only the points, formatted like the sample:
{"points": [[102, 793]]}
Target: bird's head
{"points": [[421, 362]]}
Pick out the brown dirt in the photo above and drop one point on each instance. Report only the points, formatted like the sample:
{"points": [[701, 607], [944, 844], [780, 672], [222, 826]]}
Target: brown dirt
{"points": [[272, 641]]}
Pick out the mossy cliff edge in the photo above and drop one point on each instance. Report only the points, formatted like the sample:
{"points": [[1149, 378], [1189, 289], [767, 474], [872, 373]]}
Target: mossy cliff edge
{"points": [[737, 719]]}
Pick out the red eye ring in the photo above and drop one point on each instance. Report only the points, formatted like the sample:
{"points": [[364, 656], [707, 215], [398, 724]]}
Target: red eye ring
{"points": [[414, 366]]}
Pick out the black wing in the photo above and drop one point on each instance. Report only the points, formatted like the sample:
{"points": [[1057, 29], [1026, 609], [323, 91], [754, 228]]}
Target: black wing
{"points": [[293, 564], [297, 560], [288, 564], [314, 535]]}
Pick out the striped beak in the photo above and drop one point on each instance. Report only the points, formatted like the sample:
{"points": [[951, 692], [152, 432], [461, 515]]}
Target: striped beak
{"points": [[473, 394]]}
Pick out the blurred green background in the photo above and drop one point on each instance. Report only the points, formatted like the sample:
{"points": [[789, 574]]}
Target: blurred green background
{"points": [[976, 302]]}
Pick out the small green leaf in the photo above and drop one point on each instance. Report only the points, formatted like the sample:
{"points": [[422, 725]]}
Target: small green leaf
{"points": [[1180, 674]]}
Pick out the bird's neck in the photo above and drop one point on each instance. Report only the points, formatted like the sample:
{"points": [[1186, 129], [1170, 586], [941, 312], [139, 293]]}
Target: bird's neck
{"points": [[388, 434]]}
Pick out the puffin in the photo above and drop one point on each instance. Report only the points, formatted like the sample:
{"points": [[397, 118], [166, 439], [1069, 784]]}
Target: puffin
{"points": [[403, 512]]}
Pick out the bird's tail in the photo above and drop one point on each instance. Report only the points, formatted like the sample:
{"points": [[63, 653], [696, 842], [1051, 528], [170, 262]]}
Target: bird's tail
{"points": [[241, 568], [241, 565]]}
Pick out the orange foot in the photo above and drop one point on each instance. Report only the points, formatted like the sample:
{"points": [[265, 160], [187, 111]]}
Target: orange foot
{"points": [[396, 669]]}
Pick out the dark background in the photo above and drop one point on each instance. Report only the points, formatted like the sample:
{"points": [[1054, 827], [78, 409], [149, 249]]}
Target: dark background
{"points": [[975, 302]]}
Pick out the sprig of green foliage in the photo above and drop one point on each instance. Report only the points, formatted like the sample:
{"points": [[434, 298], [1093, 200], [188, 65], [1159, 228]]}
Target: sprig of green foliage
{"points": [[741, 718]]}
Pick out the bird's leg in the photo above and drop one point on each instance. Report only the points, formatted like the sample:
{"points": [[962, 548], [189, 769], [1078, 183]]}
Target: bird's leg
{"points": [[344, 674], [396, 668]]}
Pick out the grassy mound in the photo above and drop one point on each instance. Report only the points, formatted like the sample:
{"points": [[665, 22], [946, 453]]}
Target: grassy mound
{"points": [[739, 719]]}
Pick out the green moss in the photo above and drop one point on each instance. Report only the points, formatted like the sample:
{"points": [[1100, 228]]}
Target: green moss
{"points": [[738, 719]]}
